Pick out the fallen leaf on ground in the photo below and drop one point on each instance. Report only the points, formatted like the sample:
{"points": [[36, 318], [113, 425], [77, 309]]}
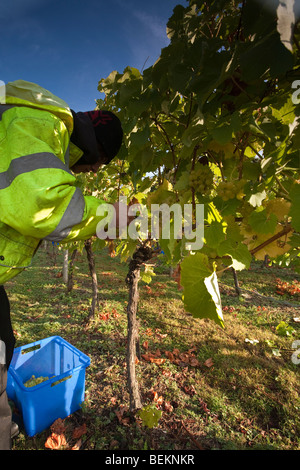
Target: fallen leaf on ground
{"points": [[189, 390], [168, 407], [104, 316], [79, 431], [58, 427], [169, 355], [194, 362], [56, 441], [157, 360], [77, 445], [160, 400], [209, 362], [146, 357], [120, 412], [157, 399], [115, 313], [149, 332], [159, 334]]}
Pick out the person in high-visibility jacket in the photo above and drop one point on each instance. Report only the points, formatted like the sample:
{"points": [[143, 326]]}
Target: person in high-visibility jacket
{"points": [[43, 145]]}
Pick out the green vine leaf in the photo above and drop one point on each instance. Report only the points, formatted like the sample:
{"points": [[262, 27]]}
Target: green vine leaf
{"points": [[261, 222], [150, 416], [200, 286]]}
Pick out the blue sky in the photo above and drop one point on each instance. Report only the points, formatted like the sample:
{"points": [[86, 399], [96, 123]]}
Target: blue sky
{"points": [[67, 46]]}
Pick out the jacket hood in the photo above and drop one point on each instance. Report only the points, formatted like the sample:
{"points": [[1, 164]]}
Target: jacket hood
{"points": [[23, 93]]}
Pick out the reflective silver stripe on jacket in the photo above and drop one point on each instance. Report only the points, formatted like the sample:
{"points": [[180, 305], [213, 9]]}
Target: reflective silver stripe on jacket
{"points": [[72, 216], [28, 163]]}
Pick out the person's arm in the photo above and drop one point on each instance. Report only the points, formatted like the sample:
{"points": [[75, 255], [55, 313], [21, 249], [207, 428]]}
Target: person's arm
{"points": [[38, 192]]}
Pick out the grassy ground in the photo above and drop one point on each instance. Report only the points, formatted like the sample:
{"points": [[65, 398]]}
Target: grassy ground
{"points": [[236, 388]]}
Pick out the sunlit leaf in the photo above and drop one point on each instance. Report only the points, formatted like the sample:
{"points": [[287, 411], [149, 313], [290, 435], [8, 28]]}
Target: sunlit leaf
{"points": [[200, 289]]}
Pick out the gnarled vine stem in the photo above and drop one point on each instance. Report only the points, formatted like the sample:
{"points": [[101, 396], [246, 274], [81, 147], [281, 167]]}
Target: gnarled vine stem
{"points": [[141, 255]]}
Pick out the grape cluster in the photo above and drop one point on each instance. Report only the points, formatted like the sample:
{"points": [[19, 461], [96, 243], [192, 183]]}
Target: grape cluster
{"points": [[231, 189], [35, 381], [201, 179]]}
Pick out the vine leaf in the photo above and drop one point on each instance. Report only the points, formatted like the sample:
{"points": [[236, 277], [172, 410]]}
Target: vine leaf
{"points": [[150, 416], [262, 222], [239, 253], [201, 291]]}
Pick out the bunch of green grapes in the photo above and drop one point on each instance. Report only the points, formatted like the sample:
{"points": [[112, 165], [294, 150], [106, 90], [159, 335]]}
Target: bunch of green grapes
{"points": [[201, 179], [33, 381], [231, 189]]}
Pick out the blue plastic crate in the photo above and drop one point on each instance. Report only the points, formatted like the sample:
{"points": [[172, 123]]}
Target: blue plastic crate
{"points": [[57, 397]]}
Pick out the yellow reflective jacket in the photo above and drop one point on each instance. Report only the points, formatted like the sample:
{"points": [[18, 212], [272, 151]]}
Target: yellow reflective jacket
{"points": [[38, 196]]}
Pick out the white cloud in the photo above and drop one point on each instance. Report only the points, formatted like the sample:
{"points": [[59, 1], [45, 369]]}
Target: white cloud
{"points": [[144, 33], [155, 25]]}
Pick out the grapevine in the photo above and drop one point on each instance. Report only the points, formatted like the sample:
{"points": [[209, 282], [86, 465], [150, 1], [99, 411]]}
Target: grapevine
{"points": [[205, 97]]}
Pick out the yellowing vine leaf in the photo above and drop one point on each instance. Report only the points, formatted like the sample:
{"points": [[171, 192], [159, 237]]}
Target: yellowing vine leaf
{"points": [[279, 207], [162, 194], [276, 248]]}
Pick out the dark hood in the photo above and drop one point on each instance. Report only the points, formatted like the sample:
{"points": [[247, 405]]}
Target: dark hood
{"points": [[83, 136], [96, 127]]}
